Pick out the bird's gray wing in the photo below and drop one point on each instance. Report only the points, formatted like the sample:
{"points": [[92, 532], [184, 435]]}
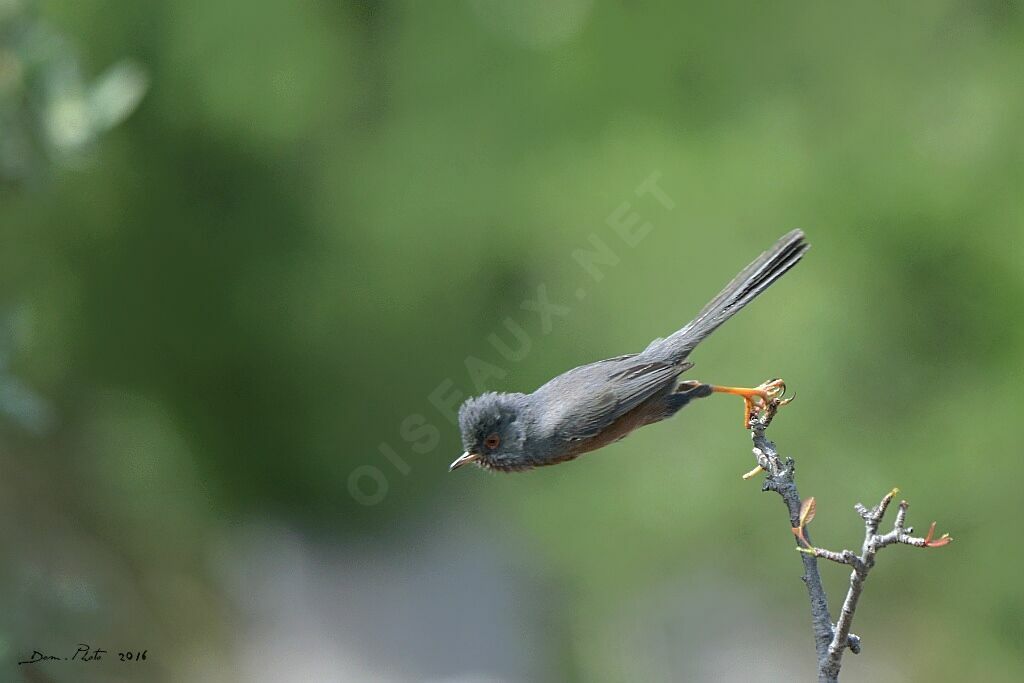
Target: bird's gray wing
{"points": [[584, 401]]}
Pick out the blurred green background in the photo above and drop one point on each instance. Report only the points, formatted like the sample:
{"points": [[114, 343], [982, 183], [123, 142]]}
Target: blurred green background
{"points": [[245, 244]]}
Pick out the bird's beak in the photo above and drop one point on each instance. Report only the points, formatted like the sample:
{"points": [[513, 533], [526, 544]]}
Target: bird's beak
{"points": [[463, 459]]}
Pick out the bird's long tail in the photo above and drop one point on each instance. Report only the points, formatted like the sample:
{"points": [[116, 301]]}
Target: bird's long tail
{"points": [[752, 280]]}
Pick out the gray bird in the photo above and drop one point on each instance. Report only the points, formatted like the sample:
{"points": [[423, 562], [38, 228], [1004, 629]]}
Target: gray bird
{"points": [[594, 405]]}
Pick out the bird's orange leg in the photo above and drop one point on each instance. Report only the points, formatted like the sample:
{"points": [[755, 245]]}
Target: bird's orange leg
{"points": [[756, 398]]}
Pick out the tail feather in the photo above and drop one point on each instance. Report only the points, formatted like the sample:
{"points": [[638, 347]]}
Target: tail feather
{"points": [[752, 280]]}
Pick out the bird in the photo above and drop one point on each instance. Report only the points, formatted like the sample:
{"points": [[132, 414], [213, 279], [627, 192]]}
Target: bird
{"points": [[599, 403]]}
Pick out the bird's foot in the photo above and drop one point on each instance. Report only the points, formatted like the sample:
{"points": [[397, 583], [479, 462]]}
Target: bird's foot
{"points": [[766, 398]]}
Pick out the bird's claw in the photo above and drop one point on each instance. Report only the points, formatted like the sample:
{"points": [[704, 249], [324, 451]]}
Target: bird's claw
{"points": [[765, 400], [765, 394], [761, 402]]}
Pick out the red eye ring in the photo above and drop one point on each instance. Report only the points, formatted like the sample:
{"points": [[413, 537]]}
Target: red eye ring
{"points": [[492, 442]]}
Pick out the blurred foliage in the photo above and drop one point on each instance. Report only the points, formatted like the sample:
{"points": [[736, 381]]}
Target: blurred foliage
{"points": [[320, 210], [48, 112]]}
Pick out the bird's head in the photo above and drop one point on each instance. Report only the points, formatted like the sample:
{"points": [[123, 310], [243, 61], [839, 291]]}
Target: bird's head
{"points": [[494, 432]]}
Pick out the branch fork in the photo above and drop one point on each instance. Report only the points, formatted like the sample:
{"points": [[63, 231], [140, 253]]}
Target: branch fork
{"points": [[831, 640]]}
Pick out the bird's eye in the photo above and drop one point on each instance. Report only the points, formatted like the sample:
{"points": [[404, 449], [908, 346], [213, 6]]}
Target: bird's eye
{"points": [[492, 441]]}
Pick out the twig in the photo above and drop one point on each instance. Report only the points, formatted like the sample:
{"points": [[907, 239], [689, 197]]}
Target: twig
{"points": [[830, 641], [863, 563], [779, 477]]}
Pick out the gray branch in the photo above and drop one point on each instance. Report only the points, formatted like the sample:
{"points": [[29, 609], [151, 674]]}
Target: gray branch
{"points": [[830, 641]]}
